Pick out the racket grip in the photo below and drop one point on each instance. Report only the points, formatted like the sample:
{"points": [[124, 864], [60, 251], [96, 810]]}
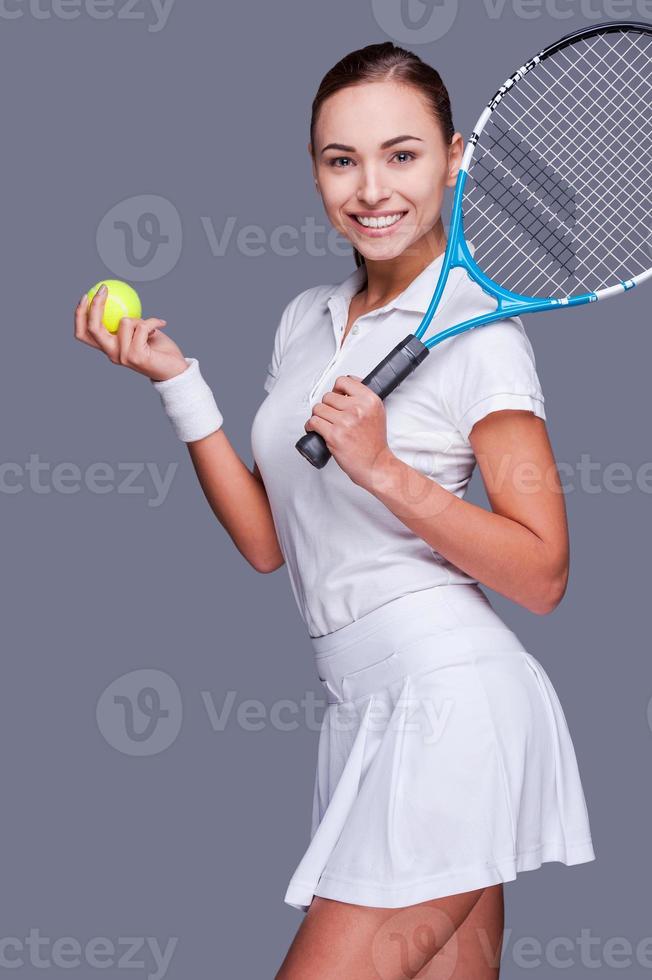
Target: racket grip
{"points": [[387, 375]]}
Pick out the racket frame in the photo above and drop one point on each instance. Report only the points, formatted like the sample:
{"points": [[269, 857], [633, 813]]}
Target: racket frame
{"points": [[458, 254]]}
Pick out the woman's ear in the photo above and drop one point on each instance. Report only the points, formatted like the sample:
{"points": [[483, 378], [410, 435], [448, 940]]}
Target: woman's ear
{"points": [[455, 156]]}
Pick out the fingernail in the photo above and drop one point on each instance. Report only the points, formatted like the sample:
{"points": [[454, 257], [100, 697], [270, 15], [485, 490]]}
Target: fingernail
{"points": [[84, 299], [102, 289]]}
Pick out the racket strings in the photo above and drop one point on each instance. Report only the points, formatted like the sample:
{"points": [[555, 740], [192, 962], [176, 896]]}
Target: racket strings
{"points": [[632, 237], [532, 183], [627, 169], [586, 109], [558, 195], [608, 207], [590, 82]]}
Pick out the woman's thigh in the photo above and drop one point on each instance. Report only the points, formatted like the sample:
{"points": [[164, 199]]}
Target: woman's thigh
{"points": [[474, 950], [339, 939]]}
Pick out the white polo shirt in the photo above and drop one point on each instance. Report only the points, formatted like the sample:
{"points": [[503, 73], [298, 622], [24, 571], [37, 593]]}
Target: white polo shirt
{"points": [[345, 552]]}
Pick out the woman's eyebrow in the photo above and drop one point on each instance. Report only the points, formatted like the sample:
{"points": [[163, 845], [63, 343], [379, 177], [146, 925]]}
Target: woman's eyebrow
{"points": [[384, 146]]}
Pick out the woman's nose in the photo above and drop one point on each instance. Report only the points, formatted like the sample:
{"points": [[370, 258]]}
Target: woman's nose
{"points": [[372, 190]]}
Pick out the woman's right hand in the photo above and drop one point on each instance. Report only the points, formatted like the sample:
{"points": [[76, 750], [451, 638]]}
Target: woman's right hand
{"points": [[138, 344]]}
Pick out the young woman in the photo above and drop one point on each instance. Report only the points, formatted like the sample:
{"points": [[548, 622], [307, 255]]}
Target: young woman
{"points": [[445, 765]]}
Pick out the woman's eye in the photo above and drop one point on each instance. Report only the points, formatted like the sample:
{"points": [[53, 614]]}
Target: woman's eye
{"points": [[335, 162]]}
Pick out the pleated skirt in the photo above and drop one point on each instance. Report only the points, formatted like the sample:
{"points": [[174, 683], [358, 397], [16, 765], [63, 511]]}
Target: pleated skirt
{"points": [[444, 763]]}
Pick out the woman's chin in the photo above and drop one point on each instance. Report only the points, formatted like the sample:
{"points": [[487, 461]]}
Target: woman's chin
{"points": [[381, 251]]}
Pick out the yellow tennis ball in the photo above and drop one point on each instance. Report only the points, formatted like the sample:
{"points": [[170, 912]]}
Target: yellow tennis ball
{"points": [[122, 300]]}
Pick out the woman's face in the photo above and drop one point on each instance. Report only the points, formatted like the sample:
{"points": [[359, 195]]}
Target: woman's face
{"points": [[380, 152]]}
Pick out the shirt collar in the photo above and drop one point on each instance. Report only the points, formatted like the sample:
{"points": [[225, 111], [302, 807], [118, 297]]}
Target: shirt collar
{"points": [[416, 297]]}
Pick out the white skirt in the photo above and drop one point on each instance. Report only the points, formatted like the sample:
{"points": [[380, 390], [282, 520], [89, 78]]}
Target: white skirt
{"points": [[444, 762]]}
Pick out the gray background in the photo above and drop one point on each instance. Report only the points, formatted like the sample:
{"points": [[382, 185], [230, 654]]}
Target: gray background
{"points": [[189, 831]]}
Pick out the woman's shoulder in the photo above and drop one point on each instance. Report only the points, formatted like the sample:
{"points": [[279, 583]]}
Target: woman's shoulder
{"points": [[469, 301], [311, 296], [309, 303]]}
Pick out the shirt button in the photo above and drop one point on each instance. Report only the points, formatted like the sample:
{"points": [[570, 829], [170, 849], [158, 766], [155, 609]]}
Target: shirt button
{"points": [[355, 328]]}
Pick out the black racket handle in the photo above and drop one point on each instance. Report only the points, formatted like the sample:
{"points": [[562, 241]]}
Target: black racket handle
{"points": [[386, 376]]}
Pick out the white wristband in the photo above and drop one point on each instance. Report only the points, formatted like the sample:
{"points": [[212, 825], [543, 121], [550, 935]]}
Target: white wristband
{"points": [[189, 403]]}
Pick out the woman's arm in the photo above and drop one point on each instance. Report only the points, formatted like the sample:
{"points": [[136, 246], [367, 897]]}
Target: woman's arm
{"points": [[238, 499], [236, 496], [520, 549]]}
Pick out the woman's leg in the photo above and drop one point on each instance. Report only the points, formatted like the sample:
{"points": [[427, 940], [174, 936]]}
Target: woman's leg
{"points": [[474, 950], [339, 939]]}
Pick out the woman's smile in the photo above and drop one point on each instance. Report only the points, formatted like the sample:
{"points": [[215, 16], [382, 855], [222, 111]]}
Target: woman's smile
{"points": [[376, 224]]}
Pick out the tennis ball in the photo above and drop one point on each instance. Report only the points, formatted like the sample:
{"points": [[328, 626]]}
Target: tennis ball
{"points": [[122, 300]]}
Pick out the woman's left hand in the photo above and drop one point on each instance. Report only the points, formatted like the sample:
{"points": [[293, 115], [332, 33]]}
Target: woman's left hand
{"points": [[351, 419]]}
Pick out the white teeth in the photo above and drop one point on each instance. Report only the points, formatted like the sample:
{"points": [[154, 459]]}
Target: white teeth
{"points": [[383, 222]]}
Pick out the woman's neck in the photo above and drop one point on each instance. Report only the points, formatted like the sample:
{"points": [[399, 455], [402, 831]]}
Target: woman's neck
{"points": [[387, 279]]}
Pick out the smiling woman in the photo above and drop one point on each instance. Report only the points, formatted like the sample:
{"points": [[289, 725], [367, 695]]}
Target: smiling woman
{"points": [[385, 558], [445, 765], [376, 219], [382, 63]]}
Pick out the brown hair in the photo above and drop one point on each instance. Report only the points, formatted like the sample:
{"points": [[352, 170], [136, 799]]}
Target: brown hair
{"points": [[381, 63]]}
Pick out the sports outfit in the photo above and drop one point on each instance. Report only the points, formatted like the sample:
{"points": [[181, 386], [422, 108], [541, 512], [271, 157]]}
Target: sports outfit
{"points": [[444, 760]]}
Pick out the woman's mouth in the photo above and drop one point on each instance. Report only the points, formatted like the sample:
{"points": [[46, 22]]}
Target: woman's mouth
{"points": [[377, 226]]}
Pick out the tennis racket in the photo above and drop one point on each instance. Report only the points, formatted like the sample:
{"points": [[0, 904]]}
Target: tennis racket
{"points": [[553, 192]]}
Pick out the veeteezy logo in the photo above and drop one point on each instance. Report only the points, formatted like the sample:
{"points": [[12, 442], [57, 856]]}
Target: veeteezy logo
{"points": [[140, 238], [415, 21], [155, 12], [425, 21]]}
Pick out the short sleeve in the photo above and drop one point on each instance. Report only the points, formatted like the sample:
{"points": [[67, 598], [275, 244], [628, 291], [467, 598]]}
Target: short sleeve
{"points": [[277, 351], [489, 368], [283, 330]]}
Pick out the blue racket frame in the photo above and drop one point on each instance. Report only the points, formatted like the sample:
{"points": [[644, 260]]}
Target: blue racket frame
{"points": [[458, 255], [457, 250]]}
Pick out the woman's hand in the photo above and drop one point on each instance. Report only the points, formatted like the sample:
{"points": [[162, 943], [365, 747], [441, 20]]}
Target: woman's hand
{"points": [[351, 418], [137, 344]]}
